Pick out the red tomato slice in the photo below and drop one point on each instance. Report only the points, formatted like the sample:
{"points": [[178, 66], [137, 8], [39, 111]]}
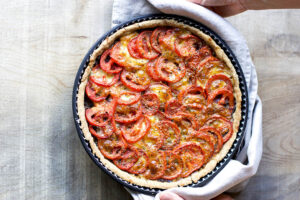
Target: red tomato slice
{"points": [[136, 131], [156, 34], [186, 123], [151, 70], [192, 157], [188, 46], [171, 134], [138, 81], [157, 165], [174, 166], [117, 56], [170, 71], [111, 147], [172, 107], [144, 46], [217, 139], [107, 64], [153, 139], [194, 96], [206, 142], [101, 78], [104, 131], [196, 61], [218, 81], [127, 159], [150, 103], [132, 48], [162, 91], [100, 115], [128, 98], [94, 92], [223, 125], [168, 39], [141, 164], [128, 113], [223, 97]]}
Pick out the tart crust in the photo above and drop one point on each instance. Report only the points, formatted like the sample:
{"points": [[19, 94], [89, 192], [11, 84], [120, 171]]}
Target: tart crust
{"points": [[135, 179]]}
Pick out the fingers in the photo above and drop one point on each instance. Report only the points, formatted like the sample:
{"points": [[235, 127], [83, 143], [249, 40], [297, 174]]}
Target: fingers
{"points": [[229, 10], [169, 196], [223, 197], [214, 2]]}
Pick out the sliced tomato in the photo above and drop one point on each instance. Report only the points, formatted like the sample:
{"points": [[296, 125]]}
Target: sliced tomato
{"points": [[218, 81], [107, 64], [167, 41], [223, 125], [132, 48], [150, 103], [127, 159], [188, 45], [162, 91], [128, 113], [156, 34], [112, 146], [141, 164], [217, 139], [104, 131], [118, 56], [101, 114], [206, 142], [151, 70], [171, 134], [192, 157], [174, 166], [95, 93], [136, 131], [186, 123], [172, 107], [128, 98], [194, 96], [101, 78], [197, 60], [170, 71], [223, 97], [144, 46], [138, 81], [157, 165]]}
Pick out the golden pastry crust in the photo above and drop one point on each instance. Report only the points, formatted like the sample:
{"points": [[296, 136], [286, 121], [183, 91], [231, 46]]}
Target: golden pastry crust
{"points": [[135, 179]]}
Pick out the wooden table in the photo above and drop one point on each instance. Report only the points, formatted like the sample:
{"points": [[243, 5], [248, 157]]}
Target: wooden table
{"points": [[41, 46]]}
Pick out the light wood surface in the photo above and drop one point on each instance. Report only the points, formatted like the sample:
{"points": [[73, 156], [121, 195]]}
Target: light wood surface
{"points": [[41, 46]]}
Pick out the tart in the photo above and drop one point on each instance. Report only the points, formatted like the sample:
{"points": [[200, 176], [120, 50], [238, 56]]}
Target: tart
{"points": [[159, 103]]}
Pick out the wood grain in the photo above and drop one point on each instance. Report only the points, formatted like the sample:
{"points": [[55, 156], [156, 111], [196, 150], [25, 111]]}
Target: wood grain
{"points": [[41, 46]]}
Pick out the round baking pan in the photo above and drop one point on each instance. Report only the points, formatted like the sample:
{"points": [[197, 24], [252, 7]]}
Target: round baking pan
{"points": [[243, 88]]}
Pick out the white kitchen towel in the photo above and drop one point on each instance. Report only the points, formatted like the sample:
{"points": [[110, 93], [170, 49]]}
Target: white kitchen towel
{"points": [[236, 172]]}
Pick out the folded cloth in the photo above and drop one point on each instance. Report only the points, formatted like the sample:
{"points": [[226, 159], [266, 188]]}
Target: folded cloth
{"points": [[235, 174]]}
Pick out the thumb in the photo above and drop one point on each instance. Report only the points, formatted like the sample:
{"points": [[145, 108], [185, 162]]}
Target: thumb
{"points": [[169, 196]]}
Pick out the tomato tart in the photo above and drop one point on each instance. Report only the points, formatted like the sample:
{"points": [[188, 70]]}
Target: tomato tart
{"points": [[159, 103]]}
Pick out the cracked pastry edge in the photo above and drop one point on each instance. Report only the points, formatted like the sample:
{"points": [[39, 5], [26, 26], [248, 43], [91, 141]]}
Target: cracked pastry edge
{"points": [[135, 179]]}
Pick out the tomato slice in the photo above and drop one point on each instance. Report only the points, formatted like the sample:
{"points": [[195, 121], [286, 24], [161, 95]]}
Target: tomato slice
{"points": [[174, 166], [186, 123], [150, 103], [101, 114], [144, 46], [107, 64], [157, 165], [103, 131], [206, 142], [132, 48], [197, 60], [128, 113], [171, 134], [217, 139], [136, 131], [151, 70], [223, 97], [194, 96], [167, 41], [156, 34], [141, 164], [192, 157], [223, 125], [162, 91], [127, 159], [95, 93], [111, 147], [172, 107], [128, 98], [138, 81], [170, 71], [188, 45], [218, 81], [101, 78]]}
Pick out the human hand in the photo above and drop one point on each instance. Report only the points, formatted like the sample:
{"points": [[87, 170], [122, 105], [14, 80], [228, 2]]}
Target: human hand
{"points": [[173, 196]]}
